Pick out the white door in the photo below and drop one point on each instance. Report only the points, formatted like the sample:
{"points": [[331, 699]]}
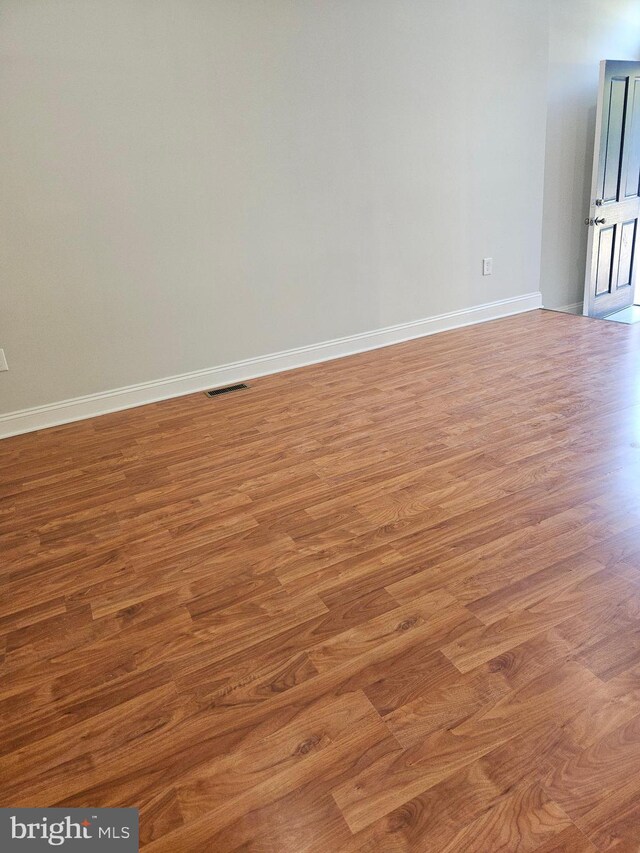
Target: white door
{"points": [[615, 200]]}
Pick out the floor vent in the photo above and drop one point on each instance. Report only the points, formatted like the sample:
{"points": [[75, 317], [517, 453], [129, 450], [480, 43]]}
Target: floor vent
{"points": [[217, 391]]}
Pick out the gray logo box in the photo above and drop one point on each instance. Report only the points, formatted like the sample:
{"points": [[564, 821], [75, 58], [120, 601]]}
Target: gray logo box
{"points": [[36, 830]]}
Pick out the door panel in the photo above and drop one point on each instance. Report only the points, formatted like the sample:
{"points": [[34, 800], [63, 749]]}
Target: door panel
{"points": [[632, 167], [615, 201], [605, 260], [626, 249], [614, 133]]}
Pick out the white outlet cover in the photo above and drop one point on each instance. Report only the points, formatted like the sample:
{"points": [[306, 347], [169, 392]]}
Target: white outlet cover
{"points": [[487, 266], [3, 361]]}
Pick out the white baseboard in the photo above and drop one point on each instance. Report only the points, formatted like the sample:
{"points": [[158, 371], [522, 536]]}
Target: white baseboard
{"points": [[79, 408], [572, 308]]}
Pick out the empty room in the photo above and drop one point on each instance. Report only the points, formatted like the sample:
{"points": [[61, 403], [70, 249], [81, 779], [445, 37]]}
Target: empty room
{"points": [[320, 426]]}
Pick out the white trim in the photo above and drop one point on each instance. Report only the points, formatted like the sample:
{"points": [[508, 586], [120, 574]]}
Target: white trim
{"points": [[79, 408], [573, 308]]}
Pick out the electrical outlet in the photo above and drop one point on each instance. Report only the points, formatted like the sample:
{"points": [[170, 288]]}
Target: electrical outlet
{"points": [[3, 361], [487, 266]]}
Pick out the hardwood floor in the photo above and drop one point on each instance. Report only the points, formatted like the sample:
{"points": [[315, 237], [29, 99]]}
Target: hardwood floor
{"points": [[387, 603]]}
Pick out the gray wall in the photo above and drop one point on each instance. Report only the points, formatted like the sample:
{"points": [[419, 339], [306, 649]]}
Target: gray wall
{"points": [[582, 32], [190, 182]]}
